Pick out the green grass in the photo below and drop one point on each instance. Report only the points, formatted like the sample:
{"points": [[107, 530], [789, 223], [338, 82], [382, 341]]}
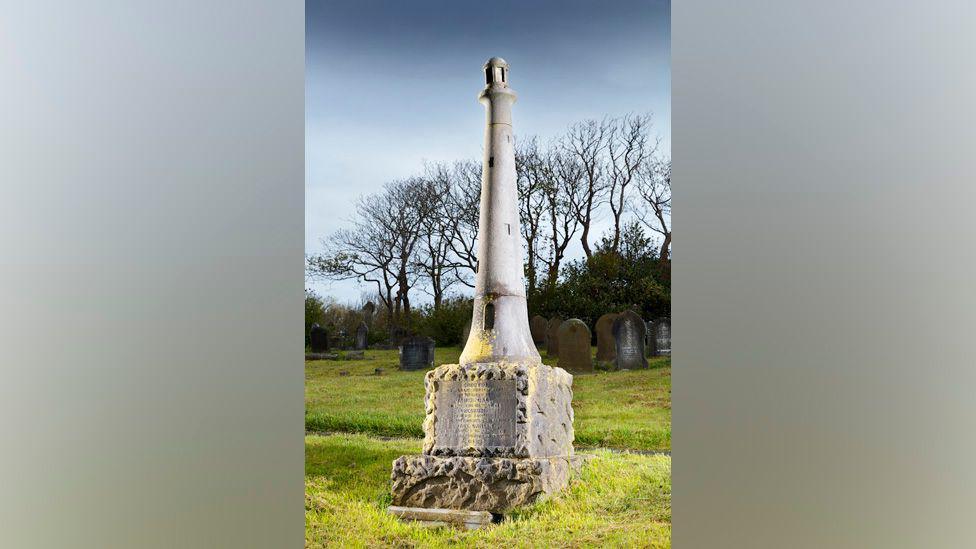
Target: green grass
{"points": [[619, 500], [613, 409]]}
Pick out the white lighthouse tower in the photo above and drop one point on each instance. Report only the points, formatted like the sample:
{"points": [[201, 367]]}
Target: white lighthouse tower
{"points": [[500, 324]]}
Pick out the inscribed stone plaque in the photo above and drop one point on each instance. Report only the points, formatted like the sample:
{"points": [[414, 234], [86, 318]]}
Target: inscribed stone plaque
{"points": [[630, 332], [475, 413]]}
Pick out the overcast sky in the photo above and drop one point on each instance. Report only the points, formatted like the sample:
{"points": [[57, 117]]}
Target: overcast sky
{"points": [[390, 84]]}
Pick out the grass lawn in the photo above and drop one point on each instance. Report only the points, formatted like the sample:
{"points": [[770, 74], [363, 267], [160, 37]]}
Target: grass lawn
{"points": [[613, 409], [620, 500]]}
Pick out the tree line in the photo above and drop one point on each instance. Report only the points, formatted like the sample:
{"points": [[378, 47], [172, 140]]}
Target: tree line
{"points": [[419, 234]]}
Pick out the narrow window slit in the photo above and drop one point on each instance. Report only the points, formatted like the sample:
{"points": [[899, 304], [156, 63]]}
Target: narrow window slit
{"points": [[490, 316], [491, 161]]}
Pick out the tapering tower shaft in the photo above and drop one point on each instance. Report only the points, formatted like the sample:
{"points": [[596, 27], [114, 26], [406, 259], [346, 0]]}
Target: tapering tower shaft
{"points": [[500, 323]]}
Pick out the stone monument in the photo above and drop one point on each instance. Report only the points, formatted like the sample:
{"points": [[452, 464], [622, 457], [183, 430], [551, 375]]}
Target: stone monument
{"points": [[362, 336], [318, 339], [574, 347], [629, 331], [606, 347], [498, 431], [538, 327], [416, 353], [661, 337], [552, 336]]}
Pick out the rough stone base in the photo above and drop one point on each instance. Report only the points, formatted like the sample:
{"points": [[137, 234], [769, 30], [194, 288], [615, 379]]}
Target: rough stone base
{"points": [[478, 484]]}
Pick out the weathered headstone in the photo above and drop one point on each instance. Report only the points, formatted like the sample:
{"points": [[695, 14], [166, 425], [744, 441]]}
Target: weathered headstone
{"points": [[416, 353], [538, 327], [362, 336], [498, 431], [318, 339], [574, 347], [552, 336], [629, 332], [661, 337], [606, 347]]}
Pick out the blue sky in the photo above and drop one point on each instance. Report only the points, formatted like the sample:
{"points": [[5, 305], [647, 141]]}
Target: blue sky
{"points": [[390, 85]]}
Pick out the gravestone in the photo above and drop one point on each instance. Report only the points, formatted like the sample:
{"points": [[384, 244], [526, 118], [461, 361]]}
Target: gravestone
{"points": [[416, 353], [629, 332], [362, 336], [574, 347], [552, 337], [318, 339], [538, 327], [661, 337], [606, 347]]}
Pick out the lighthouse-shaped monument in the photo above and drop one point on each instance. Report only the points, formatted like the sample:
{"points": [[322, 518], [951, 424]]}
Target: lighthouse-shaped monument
{"points": [[498, 431]]}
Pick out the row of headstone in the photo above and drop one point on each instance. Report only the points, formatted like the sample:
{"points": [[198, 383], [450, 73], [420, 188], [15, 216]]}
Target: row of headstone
{"points": [[623, 340], [318, 338]]}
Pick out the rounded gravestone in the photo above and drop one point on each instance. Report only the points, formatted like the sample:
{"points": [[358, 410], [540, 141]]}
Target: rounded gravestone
{"points": [[362, 336], [574, 347], [538, 327], [606, 347], [318, 339], [416, 353], [630, 332], [661, 335], [552, 337]]}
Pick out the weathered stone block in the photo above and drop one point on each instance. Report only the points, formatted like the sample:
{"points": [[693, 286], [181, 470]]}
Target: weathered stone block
{"points": [[495, 409], [478, 484]]}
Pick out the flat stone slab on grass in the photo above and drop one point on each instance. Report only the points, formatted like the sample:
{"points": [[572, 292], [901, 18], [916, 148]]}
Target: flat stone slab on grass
{"points": [[321, 356], [469, 520]]}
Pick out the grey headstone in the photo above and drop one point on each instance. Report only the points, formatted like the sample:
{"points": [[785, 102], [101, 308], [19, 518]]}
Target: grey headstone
{"points": [[416, 353], [538, 326], [318, 339], [574, 347], [606, 346], [661, 336], [629, 331], [362, 336], [552, 337]]}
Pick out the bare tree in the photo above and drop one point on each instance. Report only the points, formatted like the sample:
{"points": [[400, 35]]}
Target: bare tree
{"points": [[564, 178], [628, 148], [434, 249], [380, 246], [459, 216], [587, 142], [532, 177], [654, 184]]}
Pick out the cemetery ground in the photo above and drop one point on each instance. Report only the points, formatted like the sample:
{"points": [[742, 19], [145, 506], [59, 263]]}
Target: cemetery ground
{"points": [[358, 422]]}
